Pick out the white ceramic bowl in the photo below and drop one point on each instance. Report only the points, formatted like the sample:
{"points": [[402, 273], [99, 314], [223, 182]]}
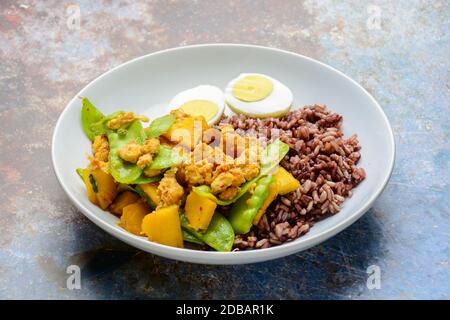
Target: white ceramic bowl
{"points": [[145, 85]]}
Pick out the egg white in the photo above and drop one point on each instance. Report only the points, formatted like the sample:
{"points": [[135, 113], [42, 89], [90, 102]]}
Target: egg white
{"points": [[202, 92], [276, 104]]}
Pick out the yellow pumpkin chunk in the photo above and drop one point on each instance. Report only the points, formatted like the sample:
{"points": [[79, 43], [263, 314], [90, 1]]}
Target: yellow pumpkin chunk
{"points": [[106, 187], [150, 189], [163, 226], [274, 188], [286, 181], [124, 199], [132, 216], [92, 196], [187, 131], [199, 211]]}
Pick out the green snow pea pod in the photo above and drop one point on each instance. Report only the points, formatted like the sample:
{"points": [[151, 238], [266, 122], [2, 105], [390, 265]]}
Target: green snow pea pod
{"points": [[89, 115], [160, 125], [245, 209], [189, 237], [270, 158], [166, 158], [122, 171], [144, 179], [80, 173], [219, 235], [101, 126]]}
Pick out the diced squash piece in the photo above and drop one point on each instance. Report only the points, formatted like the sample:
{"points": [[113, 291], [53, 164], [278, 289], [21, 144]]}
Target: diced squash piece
{"points": [[286, 181], [150, 190], [132, 216], [107, 187], [273, 193], [124, 199], [187, 131], [163, 226], [199, 211], [92, 196]]}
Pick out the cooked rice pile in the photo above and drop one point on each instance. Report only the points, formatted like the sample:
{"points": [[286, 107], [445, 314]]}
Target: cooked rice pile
{"points": [[320, 158]]}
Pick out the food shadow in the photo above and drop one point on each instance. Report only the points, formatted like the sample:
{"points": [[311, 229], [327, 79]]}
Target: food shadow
{"points": [[332, 270]]}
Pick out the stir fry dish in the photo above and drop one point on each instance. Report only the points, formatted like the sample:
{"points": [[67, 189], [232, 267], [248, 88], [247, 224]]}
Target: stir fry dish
{"points": [[199, 178], [176, 179]]}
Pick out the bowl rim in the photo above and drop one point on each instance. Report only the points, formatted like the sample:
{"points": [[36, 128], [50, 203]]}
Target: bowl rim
{"points": [[234, 257]]}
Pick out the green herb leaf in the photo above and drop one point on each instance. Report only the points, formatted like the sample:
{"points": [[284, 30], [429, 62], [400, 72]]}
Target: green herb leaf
{"points": [[93, 183]]}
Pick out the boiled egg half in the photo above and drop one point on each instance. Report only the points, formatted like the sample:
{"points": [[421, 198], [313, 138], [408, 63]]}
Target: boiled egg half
{"points": [[258, 95], [205, 100]]}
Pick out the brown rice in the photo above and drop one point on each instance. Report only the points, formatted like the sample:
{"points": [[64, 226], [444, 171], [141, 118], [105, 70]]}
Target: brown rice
{"points": [[320, 158]]}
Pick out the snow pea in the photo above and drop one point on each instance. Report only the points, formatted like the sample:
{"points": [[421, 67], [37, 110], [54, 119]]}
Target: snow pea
{"points": [[160, 125], [89, 115], [245, 209], [219, 235], [80, 173], [166, 158], [144, 179], [122, 171], [270, 158], [189, 237], [100, 127]]}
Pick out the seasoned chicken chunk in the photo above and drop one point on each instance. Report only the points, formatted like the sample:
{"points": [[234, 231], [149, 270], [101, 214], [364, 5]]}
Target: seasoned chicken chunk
{"points": [[130, 152], [142, 155], [124, 118], [100, 148], [250, 170], [197, 173], [151, 146], [169, 190], [144, 160], [152, 172], [232, 178]]}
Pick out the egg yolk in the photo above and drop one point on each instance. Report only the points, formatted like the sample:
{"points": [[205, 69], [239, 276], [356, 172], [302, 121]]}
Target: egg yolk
{"points": [[204, 108], [252, 88]]}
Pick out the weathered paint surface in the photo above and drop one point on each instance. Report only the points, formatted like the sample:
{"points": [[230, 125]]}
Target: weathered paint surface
{"points": [[402, 61]]}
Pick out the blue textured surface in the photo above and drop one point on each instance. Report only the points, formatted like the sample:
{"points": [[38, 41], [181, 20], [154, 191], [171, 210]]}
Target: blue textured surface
{"points": [[403, 62]]}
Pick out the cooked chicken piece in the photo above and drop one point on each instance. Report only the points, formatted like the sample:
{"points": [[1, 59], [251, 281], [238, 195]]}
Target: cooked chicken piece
{"points": [[144, 160], [169, 190], [198, 173], [151, 146], [124, 118], [250, 170], [100, 148], [229, 193], [152, 172], [141, 155], [98, 164], [130, 152], [212, 155], [232, 178], [179, 114]]}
